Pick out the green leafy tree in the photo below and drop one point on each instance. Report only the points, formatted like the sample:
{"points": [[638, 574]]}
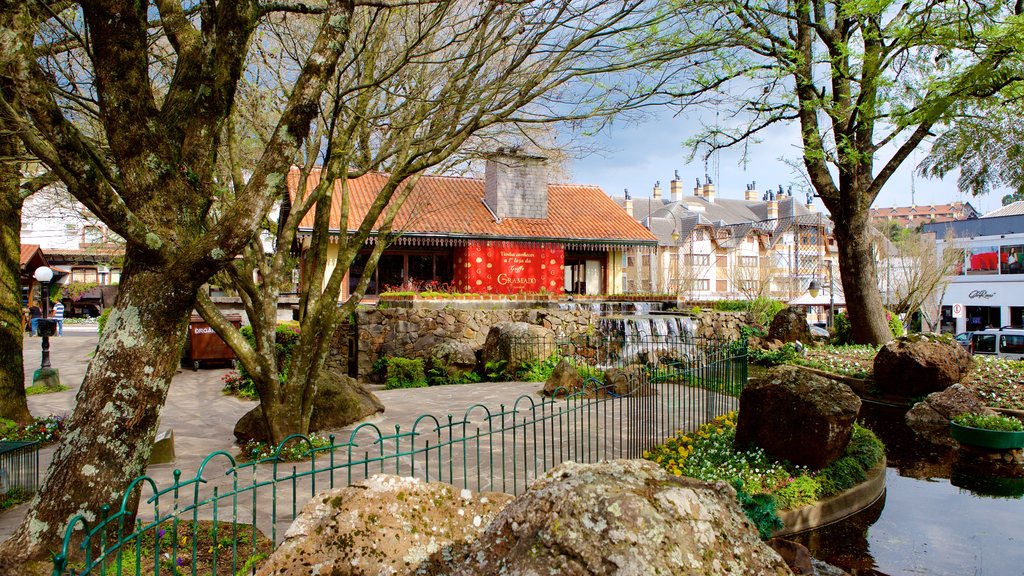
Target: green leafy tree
{"points": [[866, 82], [131, 125]]}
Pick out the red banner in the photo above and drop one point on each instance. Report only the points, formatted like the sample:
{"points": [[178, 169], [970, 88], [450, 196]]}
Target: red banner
{"points": [[509, 268]]}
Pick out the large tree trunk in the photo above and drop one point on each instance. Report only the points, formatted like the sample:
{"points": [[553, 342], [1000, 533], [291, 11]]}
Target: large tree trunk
{"points": [[857, 272], [13, 403], [118, 404]]}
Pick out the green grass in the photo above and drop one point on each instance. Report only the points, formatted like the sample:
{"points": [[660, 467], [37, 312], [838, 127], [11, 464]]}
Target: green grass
{"points": [[43, 389]]}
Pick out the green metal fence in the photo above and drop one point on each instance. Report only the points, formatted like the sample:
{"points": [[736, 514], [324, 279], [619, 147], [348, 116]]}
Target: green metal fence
{"points": [[215, 521]]}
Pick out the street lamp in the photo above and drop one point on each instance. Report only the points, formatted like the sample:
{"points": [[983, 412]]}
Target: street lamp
{"points": [[814, 288], [46, 375]]}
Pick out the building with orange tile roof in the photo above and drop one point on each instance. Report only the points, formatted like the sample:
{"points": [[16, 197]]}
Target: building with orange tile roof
{"points": [[914, 216], [510, 232]]}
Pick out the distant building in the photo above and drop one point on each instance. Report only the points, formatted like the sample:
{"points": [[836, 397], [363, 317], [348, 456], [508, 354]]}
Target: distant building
{"points": [[710, 247], [914, 216], [987, 288], [510, 232]]}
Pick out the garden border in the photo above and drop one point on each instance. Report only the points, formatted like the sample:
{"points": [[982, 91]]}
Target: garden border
{"points": [[837, 507]]}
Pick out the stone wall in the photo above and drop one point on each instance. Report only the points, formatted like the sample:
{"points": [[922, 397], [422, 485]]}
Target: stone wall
{"points": [[411, 331]]}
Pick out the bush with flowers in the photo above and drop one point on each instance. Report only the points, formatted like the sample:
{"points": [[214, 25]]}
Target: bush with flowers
{"points": [[763, 484], [45, 430]]}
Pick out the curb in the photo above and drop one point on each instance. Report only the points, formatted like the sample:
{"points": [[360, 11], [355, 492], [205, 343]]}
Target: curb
{"points": [[835, 508]]}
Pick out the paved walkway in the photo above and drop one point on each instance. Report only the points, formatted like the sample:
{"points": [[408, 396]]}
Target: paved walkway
{"points": [[203, 419]]}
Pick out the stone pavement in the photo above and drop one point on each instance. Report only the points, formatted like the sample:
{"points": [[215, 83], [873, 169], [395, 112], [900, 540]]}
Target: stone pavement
{"points": [[203, 418]]}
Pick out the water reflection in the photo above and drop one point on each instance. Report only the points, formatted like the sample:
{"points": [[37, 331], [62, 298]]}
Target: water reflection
{"points": [[925, 524]]}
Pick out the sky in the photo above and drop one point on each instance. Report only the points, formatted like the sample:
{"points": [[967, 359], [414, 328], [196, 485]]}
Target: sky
{"points": [[635, 155]]}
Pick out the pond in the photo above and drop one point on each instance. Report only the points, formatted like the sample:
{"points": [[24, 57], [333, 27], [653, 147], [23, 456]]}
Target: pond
{"points": [[925, 524]]}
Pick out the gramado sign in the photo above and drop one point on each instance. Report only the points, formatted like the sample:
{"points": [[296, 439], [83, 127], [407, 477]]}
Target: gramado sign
{"points": [[509, 268]]}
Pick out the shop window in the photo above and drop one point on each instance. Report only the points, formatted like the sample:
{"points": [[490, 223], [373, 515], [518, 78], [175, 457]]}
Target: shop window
{"points": [[983, 260], [1011, 259]]}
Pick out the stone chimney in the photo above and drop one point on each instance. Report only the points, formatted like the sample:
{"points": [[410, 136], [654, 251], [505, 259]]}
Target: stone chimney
{"points": [[516, 185], [656, 192], [698, 190], [810, 201], [676, 187], [628, 204], [751, 194], [709, 191], [773, 205]]}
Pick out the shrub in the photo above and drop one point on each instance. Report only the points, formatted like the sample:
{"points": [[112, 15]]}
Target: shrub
{"points": [[404, 373], [731, 305], [765, 357], [895, 325], [841, 332], [44, 430], [440, 373], [538, 370], [990, 422], [759, 508], [286, 337]]}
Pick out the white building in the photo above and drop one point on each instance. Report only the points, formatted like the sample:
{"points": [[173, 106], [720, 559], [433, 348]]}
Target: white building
{"points": [[988, 288]]}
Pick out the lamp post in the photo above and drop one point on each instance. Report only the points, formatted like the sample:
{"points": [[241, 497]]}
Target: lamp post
{"points": [[46, 375], [814, 288]]}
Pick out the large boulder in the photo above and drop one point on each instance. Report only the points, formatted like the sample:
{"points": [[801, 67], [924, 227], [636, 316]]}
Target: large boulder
{"points": [[455, 357], [621, 517], [797, 415], [340, 401], [382, 525], [929, 419], [920, 364], [515, 343], [790, 325], [565, 380]]}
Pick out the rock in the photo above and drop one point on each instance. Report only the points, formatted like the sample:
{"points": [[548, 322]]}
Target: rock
{"points": [[929, 419], [455, 357], [340, 401], [790, 325], [565, 379], [516, 343], [624, 517], [798, 416], [383, 525], [628, 381], [920, 364], [796, 555]]}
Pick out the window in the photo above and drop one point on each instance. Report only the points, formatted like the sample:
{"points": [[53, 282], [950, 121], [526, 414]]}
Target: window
{"points": [[982, 260], [1011, 259], [92, 234], [748, 261], [1011, 344], [702, 284], [84, 275], [698, 259]]}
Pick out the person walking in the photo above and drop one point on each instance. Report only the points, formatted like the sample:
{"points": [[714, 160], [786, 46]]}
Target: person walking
{"points": [[58, 315], [34, 313]]}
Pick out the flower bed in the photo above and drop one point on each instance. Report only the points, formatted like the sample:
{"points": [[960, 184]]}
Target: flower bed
{"points": [[764, 485]]}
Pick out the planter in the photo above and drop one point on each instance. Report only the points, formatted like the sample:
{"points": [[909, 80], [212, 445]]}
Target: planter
{"points": [[992, 439]]}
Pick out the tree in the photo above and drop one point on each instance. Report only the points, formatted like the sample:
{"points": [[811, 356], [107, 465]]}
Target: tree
{"points": [[867, 83], [985, 145], [455, 83], [13, 402], [135, 131], [134, 135], [914, 275]]}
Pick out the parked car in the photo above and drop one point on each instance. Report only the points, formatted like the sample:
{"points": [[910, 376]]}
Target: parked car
{"points": [[964, 339], [1003, 342], [818, 330]]}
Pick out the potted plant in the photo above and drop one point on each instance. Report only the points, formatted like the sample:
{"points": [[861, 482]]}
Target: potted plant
{"points": [[988, 431]]}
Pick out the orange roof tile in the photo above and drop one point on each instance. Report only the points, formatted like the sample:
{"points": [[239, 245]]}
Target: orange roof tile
{"points": [[27, 252], [453, 207]]}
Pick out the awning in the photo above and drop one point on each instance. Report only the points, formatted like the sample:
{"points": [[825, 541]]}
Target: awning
{"points": [[821, 299]]}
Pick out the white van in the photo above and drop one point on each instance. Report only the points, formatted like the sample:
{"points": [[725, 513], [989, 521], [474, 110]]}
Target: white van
{"points": [[1003, 342]]}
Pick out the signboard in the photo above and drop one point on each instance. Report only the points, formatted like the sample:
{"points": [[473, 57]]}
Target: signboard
{"points": [[509, 268], [958, 310]]}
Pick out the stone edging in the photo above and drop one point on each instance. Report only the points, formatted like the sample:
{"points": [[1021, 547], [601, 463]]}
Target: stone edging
{"points": [[835, 508]]}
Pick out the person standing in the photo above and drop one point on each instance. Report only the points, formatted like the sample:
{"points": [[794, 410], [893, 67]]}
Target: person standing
{"points": [[58, 315], [34, 313]]}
